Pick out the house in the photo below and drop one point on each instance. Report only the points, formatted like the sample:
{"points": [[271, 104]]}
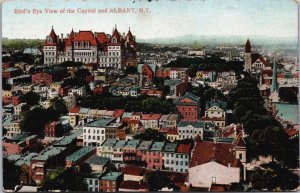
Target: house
{"points": [[134, 186], [94, 132], [142, 151], [188, 106], [24, 164], [177, 88], [150, 121], [93, 182], [168, 155], [133, 173], [215, 112], [213, 163], [12, 127], [77, 91], [74, 116], [190, 130], [106, 149], [182, 158], [19, 143], [130, 150], [155, 155], [168, 121], [110, 182], [98, 164], [118, 151], [53, 129]]}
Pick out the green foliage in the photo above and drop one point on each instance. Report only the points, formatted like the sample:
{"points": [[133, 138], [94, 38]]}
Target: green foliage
{"points": [[34, 120], [145, 104], [158, 180], [85, 170], [131, 70], [58, 104], [19, 44], [213, 62], [11, 174], [288, 94], [150, 134], [30, 98], [274, 177], [212, 94], [64, 179]]}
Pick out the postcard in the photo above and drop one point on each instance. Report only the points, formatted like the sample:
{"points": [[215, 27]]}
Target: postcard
{"points": [[150, 95]]}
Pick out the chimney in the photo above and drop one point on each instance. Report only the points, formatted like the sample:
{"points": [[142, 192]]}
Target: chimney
{"points": [[62, 37]]}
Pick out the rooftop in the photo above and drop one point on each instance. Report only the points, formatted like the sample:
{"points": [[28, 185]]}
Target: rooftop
{"points": [[100, 122], [170, 147], [74, 157], [109, 143], [111, 176], [68, 139], [196, 124], [98, 160], [120, 144], [47, 153], [132, 143], [145, 145], [157, 146]]}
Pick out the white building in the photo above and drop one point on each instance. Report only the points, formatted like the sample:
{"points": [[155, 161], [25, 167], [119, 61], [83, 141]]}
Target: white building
{"points": [[189, 130]]}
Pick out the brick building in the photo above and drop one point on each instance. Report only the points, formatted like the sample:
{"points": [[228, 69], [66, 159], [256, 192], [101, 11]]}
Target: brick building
{"points": [[189, 107]]}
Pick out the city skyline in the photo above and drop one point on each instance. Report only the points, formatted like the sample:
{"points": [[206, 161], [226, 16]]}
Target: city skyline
{"points": [[207, 18]]}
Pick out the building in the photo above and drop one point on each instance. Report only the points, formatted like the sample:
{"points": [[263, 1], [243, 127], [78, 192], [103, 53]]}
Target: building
{"points": [[188, 106], [155, 155], [106, 149], [106, 50], [93, 182], [78, 157], [110, 182], [94, 132], [74, 116], [182, 158], [150, 121], [11, 72], [49, 76], [190, 130], [118, 151], [177, 88], [168, 155], [215, 112], [53, 129], [133, 173], [12, 127], [130, 150], [213, 163], [147, 73], [98, 164], [168, 121]]}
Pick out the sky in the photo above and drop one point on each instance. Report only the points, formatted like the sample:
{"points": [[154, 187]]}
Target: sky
{"points": [[167, 18]]}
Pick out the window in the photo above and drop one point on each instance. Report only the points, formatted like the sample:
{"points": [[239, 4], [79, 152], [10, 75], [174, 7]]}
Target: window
{"points": [[240, 156]]}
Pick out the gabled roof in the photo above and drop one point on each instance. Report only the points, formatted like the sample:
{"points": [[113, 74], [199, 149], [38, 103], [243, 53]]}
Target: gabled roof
{"points": [[54, 38], [221, 153], [220, 104], [196, 124], [188, 99], [256, 56], [101, 37]]}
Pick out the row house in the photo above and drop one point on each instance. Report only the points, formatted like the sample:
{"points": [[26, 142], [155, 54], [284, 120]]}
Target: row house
{"points": [[49, 76], [12, 127], [173, 73], [169, 121], [130, 150], [54, 129], [118, 151], [188, 106], [110, 182], [176, 157], [106, 149], [150, 121]]}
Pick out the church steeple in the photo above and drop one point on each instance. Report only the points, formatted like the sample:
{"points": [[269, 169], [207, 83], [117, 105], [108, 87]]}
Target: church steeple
{"points": [[248, 46], [274, 87]]}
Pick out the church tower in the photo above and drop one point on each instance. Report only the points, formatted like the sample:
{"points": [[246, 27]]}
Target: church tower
{"points": [[247, 59], [274, 95]]}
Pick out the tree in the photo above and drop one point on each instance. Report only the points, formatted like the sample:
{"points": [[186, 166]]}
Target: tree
{"points": [[85, 170], [34, 120], [30, 98], [11, 174], [274, 177], [213, 93], [150, 134], [65, 179], [131, 70], [158, 180], [57, 104]]}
